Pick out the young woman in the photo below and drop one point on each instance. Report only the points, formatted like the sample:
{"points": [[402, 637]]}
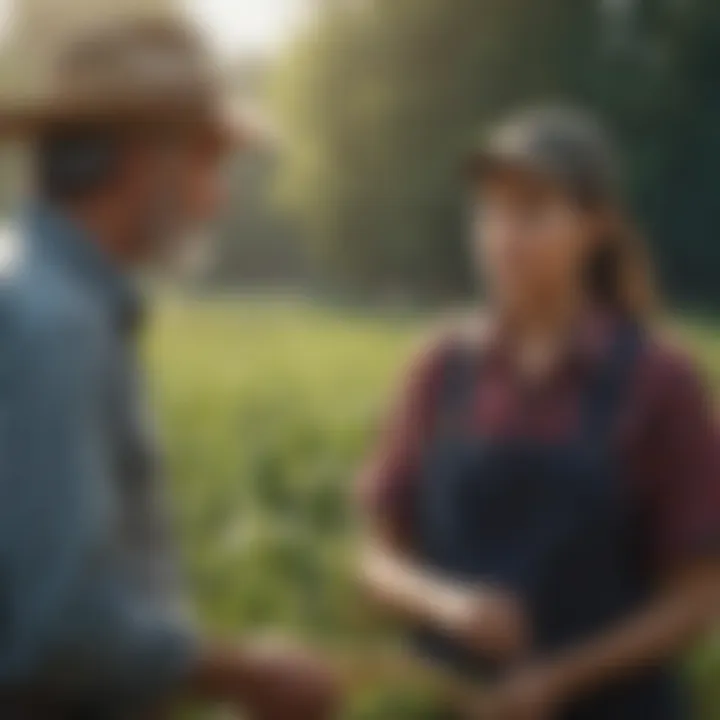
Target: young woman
{"points": [[544, 507]]}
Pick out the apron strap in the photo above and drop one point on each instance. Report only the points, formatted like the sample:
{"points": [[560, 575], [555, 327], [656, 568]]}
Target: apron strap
{"points": [[604, 399], [460, 375]]}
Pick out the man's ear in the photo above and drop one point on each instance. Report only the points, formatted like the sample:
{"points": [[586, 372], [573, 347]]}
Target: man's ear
{"points": [[74, 164]]}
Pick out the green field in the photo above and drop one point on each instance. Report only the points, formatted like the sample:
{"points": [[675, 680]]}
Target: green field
{"points": [[267, 409]]}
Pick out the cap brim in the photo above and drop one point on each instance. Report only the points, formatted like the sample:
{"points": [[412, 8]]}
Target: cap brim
{"points": [[486, 162]]}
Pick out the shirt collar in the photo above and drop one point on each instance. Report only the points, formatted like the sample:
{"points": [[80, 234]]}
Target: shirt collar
{"points": [[73, 246], [586, 345]]}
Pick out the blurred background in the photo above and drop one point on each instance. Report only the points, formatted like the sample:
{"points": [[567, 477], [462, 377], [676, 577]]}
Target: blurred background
{"points": [[346, 233], [368, 107]]}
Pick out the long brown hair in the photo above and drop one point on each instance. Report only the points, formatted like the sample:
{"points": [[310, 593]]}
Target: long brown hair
{"points": [[620, 275]]}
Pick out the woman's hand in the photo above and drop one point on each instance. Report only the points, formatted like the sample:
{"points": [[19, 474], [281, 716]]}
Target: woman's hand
{"points": [[528, 694], [487, 621]]}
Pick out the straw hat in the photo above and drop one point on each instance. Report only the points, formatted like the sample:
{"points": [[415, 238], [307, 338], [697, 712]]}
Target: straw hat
{"points": [[147, 72]]}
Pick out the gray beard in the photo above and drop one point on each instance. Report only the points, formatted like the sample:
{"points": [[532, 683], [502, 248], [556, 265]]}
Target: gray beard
{"points": [[175, 251], [183, 256]]}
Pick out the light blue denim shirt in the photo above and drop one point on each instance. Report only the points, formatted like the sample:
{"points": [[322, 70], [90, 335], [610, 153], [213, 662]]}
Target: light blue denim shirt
{"points": [[90, 603]]}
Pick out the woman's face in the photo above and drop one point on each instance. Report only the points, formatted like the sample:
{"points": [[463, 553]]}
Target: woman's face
{"points": [[530, 240]]}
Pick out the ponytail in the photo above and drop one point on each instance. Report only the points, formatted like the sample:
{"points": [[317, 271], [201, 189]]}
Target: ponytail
{"points": [[619, 274]]}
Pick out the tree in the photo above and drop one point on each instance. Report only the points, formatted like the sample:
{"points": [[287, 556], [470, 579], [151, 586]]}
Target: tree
{"points": [[379, 101], [668, 110]]}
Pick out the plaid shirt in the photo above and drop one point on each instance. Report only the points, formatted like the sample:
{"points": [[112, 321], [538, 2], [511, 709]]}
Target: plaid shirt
{"points": [[667, 438]]}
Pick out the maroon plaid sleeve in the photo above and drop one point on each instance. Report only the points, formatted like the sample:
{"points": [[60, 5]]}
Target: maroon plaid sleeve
{"points": [[678, 463], [388, 478]]}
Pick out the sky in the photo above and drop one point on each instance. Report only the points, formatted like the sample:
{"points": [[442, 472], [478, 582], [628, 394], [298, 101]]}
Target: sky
{"points": [[247, 25]]}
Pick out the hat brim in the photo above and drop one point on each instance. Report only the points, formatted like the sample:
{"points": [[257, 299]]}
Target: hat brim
{"points": [[220, 124]]}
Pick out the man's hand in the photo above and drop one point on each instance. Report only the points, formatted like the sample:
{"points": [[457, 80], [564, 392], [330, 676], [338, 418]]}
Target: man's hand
{"points": [[270, 681], [291, 684], [533, 693], [490, 622]]}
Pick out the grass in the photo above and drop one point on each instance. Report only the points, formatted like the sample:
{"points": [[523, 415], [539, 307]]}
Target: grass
{"points": [[267, 410]]}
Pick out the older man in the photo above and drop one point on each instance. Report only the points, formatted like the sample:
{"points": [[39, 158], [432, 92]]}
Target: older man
{"points": [[127, 148]]}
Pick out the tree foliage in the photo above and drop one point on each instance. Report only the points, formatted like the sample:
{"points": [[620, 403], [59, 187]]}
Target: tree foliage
{"points": [[379, 101]]}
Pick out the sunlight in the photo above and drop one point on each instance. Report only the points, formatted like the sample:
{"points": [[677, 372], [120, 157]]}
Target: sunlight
{"points": [[247, 25], [237, 26]]}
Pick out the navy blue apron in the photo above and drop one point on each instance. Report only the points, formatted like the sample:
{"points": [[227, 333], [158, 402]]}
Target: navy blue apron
{"points": [[548, 521]]}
